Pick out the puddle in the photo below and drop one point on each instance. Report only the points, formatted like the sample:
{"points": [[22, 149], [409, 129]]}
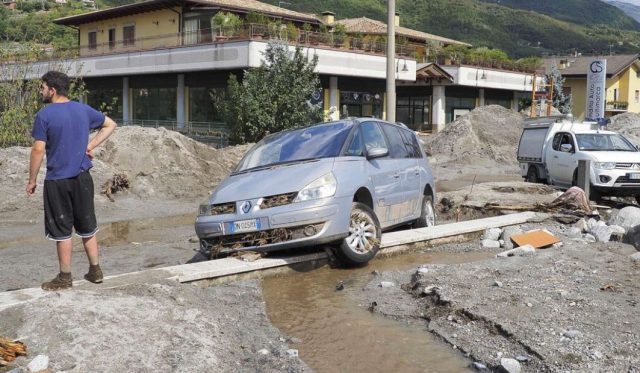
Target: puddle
{"points": [[119, 232], [338, 335], [468, 180]]}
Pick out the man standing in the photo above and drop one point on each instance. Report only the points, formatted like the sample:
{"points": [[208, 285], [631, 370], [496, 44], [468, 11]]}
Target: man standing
{"points": [[61, 130]]}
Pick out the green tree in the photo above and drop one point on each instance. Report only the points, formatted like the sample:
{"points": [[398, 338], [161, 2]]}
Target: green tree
{"points": [[272, 97]]}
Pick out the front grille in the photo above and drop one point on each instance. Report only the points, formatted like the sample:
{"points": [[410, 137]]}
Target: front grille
{"points": [[278, 200], [223, 208], [626, 180], [240, 241], [626, 166]]}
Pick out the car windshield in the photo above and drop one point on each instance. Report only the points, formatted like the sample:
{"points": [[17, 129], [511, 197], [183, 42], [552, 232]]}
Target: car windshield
{"points": [[604, 142], [310, 143]]}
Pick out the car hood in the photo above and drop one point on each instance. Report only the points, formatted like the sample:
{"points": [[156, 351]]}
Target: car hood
{"points": [[619, 157], [277, 180]]}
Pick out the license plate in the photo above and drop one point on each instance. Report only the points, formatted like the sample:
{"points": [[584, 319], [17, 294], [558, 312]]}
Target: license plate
{"points": [[634, 176], [245, 225]]}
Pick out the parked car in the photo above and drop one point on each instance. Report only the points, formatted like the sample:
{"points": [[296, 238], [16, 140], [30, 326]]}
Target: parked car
{"points": [[550, 148], [338, 183]]}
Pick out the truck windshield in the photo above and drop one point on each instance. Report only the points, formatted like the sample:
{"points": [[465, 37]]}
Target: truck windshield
{"points": [[299, 145], [604, 142]]}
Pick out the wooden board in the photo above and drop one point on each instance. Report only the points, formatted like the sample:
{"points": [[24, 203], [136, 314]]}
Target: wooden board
{"points": [[537, 238]]}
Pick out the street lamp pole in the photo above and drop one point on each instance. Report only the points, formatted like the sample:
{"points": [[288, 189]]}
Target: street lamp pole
{"points": [[391, 55]]}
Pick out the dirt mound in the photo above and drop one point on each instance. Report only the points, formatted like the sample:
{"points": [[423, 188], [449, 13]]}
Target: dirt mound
{"points": [[486, 135], [627, 124], [159, 164]]}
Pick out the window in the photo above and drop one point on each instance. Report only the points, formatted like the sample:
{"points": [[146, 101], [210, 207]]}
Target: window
{"points": [[128, 35], [615, 94], [112, 38], [397, 149], [637, 96], [355, 147], [93, 39], [560, 139], [411, 142], [373, 137]]}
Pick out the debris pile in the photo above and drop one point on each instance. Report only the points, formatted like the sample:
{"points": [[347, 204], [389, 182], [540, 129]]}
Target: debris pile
{"points": [[117, 183], [10, 350], [627, 124]]}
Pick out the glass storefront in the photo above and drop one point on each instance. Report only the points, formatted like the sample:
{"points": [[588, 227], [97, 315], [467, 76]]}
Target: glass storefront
{"points": [[458, 106], [361, 104], [154, 104], [414, 112], [201, 104], [108, 101]]}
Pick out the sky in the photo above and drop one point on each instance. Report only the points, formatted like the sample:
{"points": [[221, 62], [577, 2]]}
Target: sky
{"points": [[634, 2]]}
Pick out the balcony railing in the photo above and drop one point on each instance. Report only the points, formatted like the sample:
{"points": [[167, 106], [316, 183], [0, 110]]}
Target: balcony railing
{"points": [[244, 32], [617, 106]]}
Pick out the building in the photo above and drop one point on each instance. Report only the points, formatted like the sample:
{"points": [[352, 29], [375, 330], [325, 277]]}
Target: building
{"points": [[623, 82], [159, 61]]}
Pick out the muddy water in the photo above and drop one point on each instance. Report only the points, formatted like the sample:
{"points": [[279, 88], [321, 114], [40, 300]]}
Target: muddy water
{"points": [[335, 334]]}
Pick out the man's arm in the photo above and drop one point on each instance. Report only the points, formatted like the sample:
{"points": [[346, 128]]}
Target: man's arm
{"points": [[37, 155], [105, 131]]}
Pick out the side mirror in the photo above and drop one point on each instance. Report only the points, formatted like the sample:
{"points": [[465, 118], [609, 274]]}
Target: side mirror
{"points": [[374, 153], [566, 148]]}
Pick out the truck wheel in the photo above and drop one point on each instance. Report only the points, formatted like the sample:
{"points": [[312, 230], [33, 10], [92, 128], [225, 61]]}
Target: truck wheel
{"points": [[532, 175], [363, 241]]}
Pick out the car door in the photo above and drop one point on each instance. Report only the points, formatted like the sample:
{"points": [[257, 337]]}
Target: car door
{"points": [[561, 164], [406, 170], [381, 171]]}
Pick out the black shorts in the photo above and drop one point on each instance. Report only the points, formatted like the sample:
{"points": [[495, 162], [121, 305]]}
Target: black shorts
{"points": [[68, 204]]}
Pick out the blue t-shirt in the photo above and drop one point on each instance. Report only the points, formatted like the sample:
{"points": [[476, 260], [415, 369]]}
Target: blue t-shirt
{"points": [[65, 128]]}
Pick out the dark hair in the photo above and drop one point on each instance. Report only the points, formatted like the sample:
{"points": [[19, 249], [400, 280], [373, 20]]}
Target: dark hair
{"points": [[59, 81]]}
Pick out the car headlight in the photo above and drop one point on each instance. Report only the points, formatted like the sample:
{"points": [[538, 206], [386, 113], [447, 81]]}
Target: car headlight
{"points": [[604, 165], [204, 209], [322, 187]]}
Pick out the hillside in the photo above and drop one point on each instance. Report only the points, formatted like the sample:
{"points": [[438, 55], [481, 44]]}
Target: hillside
{"points": [[521, 31], [631, 10]]}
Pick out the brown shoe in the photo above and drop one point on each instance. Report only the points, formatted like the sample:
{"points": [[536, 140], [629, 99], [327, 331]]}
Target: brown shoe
{"points": [[62, 281], [94, 275]]}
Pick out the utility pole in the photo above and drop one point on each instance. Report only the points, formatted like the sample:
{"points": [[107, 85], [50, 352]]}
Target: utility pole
{"points": [[391, 56]]}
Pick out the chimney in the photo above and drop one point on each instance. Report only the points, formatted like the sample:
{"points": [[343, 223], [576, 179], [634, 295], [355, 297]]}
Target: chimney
{"points": [[396, 20], [328, 17]]}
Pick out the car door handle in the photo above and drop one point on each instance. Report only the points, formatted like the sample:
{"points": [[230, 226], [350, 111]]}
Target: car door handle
{"points": [[555, 156], [396, 176]]}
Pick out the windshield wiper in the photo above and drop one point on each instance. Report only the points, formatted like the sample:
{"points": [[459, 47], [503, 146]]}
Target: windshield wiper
{"points": [[276, 164]]}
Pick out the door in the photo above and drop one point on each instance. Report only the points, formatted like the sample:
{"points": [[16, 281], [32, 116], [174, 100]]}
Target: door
{"points": [[406, 170], [382, 173], [561, 164]]}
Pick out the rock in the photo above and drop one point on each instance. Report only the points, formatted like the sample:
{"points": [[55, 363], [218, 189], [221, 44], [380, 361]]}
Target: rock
{"points": [[627, 217], [574, 232], [571, 333], [340, 286], [589, 238], [430, 290], [617, 233], [264, 351], [480, 367], [292, 352], [525, 250], [617, 229], [387, 284], [509, 365], [507, 232], [490, 244], [582, 225], [39, 363], [523, 358], [497, 283], [635, 257], [602, 233], [492, 234]]}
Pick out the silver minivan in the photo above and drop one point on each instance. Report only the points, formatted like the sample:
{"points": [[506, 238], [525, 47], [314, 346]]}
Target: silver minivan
{"points": [[340, 183]]}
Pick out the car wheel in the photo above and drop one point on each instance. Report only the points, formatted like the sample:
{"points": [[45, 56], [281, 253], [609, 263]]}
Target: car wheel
{"points": [[363, 241], [532, 175], [428, 215]]}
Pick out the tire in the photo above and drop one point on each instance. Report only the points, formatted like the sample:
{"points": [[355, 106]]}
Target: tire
{"points": [[428, 215], [532, 175], [363, 241], [638, 199]]}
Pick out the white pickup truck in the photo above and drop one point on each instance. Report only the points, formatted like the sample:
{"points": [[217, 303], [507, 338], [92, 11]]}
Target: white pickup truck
{"points": [[550, 148]]}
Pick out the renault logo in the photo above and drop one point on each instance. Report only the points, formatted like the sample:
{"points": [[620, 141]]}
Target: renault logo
{"points": [[246, 206]]}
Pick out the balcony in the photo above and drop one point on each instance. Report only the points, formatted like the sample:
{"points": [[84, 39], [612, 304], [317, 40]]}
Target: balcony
{"points": [[617, 106], [245, 32]]}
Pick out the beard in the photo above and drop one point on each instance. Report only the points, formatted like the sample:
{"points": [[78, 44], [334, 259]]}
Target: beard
{"points": [[46, 98]]}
